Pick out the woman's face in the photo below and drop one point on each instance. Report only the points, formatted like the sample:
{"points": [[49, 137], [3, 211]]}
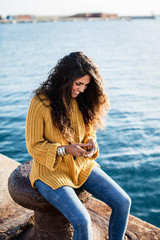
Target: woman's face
{"points": [[80, 85]]}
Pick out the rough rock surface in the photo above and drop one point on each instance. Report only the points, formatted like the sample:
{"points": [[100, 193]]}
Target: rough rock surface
{"points": [[12, 215]]}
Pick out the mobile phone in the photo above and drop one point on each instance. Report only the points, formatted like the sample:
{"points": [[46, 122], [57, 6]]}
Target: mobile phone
{"points": [[90, 150]]}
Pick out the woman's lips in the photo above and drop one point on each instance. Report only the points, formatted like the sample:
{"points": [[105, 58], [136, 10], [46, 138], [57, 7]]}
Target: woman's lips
{"points": [[76, 92]]}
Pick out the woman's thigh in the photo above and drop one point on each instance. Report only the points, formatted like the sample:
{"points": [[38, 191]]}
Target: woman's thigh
{"points": [[65, 200], [105, 188]]}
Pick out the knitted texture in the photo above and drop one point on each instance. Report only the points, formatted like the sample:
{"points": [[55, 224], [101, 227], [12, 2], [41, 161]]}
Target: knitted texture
{"points": [[42, 140]]}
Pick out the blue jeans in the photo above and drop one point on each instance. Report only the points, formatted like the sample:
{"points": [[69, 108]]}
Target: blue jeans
{"points": [[101, 186]]}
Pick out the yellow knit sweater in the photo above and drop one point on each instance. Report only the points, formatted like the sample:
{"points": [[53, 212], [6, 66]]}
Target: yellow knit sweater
{"points": [[42, 140]]}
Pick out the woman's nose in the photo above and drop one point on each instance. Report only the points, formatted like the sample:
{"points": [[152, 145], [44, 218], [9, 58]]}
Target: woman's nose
{"points": [[82, 88]]}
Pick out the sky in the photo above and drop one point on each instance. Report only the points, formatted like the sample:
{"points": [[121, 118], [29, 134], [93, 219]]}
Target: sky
{"points": [[71, 7]]}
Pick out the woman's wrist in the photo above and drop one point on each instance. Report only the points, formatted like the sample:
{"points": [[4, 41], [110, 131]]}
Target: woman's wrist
{"points": [[61, 151]]}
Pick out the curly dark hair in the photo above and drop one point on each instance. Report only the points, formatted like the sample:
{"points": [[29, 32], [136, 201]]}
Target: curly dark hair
{"points": [[93, 102]]}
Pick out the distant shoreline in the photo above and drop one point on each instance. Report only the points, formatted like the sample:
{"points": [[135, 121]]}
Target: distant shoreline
{"points": [[65, 19]]}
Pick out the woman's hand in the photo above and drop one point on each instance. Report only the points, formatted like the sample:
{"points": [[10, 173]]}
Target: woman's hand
{"points": [[91, 144], [76, 150]]}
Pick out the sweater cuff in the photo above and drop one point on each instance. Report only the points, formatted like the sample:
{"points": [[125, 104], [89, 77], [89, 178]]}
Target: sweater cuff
{"points": [[52, 159]]}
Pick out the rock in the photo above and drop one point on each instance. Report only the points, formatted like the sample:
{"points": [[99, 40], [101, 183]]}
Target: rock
{"points": [[7, 166], [12, 215]]}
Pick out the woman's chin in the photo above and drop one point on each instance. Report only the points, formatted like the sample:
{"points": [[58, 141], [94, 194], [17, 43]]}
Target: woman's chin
{"points": [[74, 95]]}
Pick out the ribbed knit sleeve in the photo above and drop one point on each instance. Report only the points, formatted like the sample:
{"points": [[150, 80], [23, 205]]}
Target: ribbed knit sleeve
{"points": [[38, 147]]}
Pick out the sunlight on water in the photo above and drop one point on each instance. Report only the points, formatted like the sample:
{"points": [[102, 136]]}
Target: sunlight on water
{"points": [[128, 55]]}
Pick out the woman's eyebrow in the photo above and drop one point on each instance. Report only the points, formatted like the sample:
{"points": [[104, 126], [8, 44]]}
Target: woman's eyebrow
{"points": [[79, 82], [83, 83]]}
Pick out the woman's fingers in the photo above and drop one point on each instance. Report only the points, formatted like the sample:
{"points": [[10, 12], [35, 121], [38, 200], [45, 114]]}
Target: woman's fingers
{"points": [[90, 154], [91, 144], [78, 150], [83, 144]]}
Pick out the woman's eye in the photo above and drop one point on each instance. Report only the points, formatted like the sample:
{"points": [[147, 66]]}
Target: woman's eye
{"points": [[78, 84]]}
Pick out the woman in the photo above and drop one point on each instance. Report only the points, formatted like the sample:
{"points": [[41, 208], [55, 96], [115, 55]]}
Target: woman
{"points": [[60, 136]]}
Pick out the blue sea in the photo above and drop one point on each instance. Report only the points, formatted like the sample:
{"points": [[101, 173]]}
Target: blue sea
{"points": [[128, 56]]}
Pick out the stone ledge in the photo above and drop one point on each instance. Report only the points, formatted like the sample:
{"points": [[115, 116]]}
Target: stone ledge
{"points": [[12, 216]]}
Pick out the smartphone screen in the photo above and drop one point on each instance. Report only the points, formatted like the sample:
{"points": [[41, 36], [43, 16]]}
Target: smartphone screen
{"points": [[90, 150]]}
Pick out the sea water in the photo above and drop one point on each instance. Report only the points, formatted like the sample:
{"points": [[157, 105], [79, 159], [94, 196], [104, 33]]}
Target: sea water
{"points": [[128, 56]]}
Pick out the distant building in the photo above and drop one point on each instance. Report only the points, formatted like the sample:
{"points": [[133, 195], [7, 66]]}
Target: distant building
{"points": [[23, 17], [95, 15], [20, 17]]}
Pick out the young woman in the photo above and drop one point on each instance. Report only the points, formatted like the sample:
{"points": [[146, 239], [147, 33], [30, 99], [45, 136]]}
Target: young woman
{"points": [[62, 119]]}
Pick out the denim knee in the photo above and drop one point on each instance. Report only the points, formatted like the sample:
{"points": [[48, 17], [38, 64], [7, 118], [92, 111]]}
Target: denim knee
{"points": [[125, 202]]}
